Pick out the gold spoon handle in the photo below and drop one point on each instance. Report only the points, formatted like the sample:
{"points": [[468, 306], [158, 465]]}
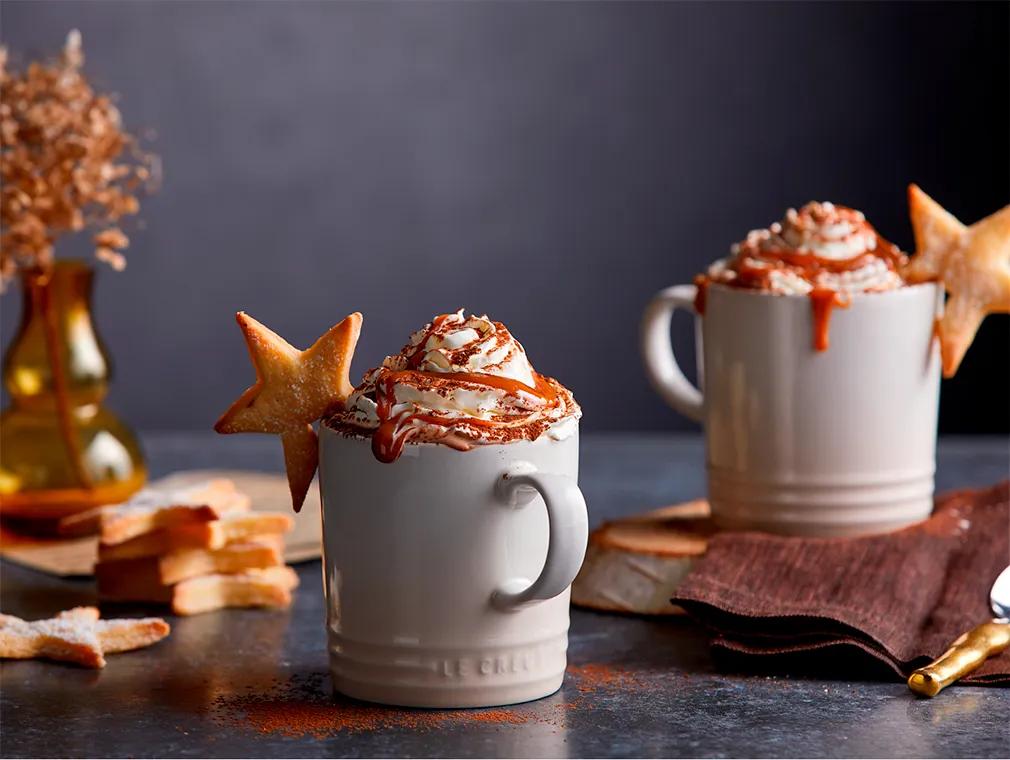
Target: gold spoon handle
{"points": [[964, 655]]}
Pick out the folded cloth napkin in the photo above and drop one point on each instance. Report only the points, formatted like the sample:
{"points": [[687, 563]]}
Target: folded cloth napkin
{"points": [[902, 597]]}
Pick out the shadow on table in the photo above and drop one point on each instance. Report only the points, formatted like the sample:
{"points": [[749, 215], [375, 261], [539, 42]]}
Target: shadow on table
{"points": [[31, 594], [836, 663]]}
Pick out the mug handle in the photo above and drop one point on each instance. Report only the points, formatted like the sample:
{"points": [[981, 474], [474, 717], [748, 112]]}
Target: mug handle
{"points": [[569, 532], [660, 363]]}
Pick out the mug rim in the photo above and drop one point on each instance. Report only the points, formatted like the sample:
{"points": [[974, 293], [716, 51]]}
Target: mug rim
{"points": [[904, 291], [543, 439]]}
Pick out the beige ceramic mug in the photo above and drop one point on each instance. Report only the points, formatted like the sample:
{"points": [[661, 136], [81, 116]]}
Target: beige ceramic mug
{"points": [[448, 573], [835, 442]]}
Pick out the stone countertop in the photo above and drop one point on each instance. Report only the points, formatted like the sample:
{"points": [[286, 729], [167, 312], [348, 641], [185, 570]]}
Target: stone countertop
{"points": [[248, 683]]}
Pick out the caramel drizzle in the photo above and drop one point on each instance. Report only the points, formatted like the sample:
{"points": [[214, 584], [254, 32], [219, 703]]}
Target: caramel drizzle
{"points": [[417, 355], [812, 264], [394, 432], [700, 294], [822, 300]]}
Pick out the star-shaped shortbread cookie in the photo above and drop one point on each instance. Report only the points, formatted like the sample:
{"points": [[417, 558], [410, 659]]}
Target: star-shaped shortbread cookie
{"points": [[292, 390], [973, 263], [154, 509], [76, 635]]}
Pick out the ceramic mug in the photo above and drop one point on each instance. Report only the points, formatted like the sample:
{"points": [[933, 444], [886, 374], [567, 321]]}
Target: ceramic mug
{"points": [[834, 442], [447, 572]]}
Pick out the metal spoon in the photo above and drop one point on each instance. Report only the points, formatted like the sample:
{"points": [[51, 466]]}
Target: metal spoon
{"points": [[972, 648]]}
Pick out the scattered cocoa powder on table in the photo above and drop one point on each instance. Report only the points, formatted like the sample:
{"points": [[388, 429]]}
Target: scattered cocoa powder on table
{"points": [[319, 718], [593, 677], [304, 706]]}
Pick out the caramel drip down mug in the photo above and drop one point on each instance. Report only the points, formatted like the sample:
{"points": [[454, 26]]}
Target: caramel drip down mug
{"points": [[824, 443], [448, 573]]}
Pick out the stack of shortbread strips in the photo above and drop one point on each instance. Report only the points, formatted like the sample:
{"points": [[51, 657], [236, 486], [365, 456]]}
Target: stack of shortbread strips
{"points": [[196, 549]]}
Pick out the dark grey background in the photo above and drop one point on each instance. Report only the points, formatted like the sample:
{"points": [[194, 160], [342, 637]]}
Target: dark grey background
{"points": [[550, 164]]}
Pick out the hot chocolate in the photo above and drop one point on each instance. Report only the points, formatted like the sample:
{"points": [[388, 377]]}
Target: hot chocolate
{"points": [[824, 251], [447, 576], [801, 438], [460, 381]]}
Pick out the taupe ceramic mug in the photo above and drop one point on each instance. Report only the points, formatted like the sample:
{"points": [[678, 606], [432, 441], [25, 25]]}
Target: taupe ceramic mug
{"points": [[448, 573], [835, 442]]}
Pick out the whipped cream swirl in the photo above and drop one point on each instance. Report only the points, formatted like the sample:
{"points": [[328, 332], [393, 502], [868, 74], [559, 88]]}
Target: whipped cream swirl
{"points": [[460, 381], [820, 247]]}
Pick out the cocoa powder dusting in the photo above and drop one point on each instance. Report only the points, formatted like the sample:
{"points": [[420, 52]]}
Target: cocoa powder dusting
{"points": [[304, 706], [594, 677]]}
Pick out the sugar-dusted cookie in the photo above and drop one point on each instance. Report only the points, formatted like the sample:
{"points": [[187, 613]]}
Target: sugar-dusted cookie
{"points": [[267, 587], [230, 528], [153, 509], [77, 636], [292, 390], [116, 578], [973, 263]]}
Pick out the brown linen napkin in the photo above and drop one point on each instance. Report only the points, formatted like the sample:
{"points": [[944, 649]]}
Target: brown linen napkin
{"points": [[901, 597]]}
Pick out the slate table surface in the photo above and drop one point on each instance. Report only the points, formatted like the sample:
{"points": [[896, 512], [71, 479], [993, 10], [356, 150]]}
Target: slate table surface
{"points": [[674, 699]]}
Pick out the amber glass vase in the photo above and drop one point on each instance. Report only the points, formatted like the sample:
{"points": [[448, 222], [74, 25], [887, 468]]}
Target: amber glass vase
{"points": [[61, 450]]}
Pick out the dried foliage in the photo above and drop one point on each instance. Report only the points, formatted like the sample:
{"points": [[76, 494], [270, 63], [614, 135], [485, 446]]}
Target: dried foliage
{"points": [[66, 163]]}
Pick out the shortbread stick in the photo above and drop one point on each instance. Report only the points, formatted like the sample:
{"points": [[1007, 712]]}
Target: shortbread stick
{"points": [[179, 565], [230, 528], [258, 588]]}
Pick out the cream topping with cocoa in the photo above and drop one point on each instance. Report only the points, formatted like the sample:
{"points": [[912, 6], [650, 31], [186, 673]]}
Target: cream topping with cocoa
{"points": [[824, 251], [460, 381]]}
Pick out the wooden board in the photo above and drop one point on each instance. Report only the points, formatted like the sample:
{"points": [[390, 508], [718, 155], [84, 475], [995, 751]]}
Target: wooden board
{"points": [[268, 492], [634, 564]]}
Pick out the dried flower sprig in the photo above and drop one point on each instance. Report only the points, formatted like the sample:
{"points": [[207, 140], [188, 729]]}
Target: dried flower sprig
{"points": [[66, 163]]}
